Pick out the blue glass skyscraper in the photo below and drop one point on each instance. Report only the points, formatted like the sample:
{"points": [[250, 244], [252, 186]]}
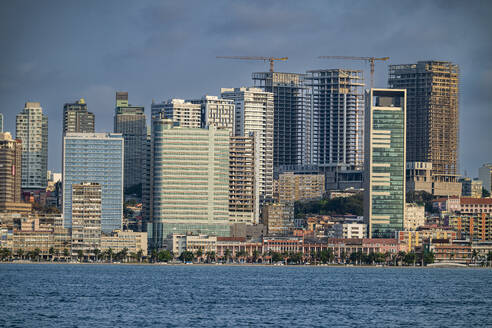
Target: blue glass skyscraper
{"points": [[95, 157]]}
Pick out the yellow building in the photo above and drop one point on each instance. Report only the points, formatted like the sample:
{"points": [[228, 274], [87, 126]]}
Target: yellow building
{"points": [[119, 240]]}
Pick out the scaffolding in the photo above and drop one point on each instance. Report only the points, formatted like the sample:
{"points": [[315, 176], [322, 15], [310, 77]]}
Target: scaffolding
{"points": [[432, 112]]}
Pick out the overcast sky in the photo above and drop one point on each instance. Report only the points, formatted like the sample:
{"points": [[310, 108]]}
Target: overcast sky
{"points": [[55, 52]]}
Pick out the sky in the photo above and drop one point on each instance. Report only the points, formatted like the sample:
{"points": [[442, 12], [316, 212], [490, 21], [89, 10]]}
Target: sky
{"points": [[55, 52]]}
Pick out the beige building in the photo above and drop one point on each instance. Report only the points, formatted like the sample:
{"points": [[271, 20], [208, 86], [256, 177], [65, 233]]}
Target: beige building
{"points": [[278, 218], [86, 217], [178, 110], [300, 187], [414, 216], [350, 230], [243, 180], [134, 242], [421, 177], [178, 243]]}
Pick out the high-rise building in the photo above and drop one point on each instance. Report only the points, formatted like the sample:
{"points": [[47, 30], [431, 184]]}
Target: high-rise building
{"points": [[300, 187], [146, 164], [278, 218], [243, 187], [291, 116], [97, 158], [130, 121], [337, 120], [86, 217], [384, 190], [432, 114], [32, 130], [76, 118], [189, 180], [254, 113], [1, 122], [10, 169], [178, 110], [485, 175], [216, 112]]}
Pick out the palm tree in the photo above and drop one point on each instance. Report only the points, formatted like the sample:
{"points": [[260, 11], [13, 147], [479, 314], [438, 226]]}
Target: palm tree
{"points": [[97, 254], [110, 253], [227, 254], [20, 253], [65, 253], [139, 255], [256, 254], [36, 253], [124, 254], [51, 252], [199, 254], [80, 255]]}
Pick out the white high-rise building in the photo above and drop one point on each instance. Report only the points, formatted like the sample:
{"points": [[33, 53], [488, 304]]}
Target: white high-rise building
{"points": [[178, 110], [485, 174], [254, 113], [32, 129], [216, 112]]}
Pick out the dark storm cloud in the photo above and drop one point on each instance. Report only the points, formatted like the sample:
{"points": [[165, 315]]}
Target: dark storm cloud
{"points": [[56, 52]]}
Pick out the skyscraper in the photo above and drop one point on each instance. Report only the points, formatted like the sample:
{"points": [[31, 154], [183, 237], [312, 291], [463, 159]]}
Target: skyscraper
{"points": [[178, 110], [432, 113], [96, 158], [291, 120], [130, 121], [337, 116], [10, 169], [1, 122], [189, 180], [76, 118], [216, 112], [32, 130], [86, 217], [243, 180], [384, 189], [254, 113]]}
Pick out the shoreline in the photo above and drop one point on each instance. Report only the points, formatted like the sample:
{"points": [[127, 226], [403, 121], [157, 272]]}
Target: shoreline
{"points": [[442, 266]]}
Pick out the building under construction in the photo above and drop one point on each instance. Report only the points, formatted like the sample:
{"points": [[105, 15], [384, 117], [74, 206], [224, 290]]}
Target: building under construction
{"points": [[432, 112], [432, 116], [337, 120], [290, 146]]}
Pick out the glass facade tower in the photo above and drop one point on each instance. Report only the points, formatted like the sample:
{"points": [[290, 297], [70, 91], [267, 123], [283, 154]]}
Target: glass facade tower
{"points": [[385, 161], [96, 158]]}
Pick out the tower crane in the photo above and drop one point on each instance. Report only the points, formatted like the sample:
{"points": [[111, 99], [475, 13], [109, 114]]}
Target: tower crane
{"points": [[371, 61], [270, 59]]}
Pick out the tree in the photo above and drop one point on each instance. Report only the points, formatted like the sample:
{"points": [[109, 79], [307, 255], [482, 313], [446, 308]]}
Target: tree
{"points": [[277, 257], [485, 192], [199, 253], [123, 254], [36, 253], [139, 255], [211, 256], [474, 256], [109, 254], [410, 258], [256, 254], [65, 253], [227, 254], [153, 255], [187, 256], [51, 252], [428, 257], [20, 253], [164, 256], [97, 254], [295, 258], [80, 255]]}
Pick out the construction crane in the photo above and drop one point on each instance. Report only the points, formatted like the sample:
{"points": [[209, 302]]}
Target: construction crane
{"points": [[371, 61], [270, 59]]}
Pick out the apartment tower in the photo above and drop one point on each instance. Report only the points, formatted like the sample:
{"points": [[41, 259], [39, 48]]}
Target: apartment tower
{"points": [[76, 118], [10, 169], [254, 114], [32, 130]]}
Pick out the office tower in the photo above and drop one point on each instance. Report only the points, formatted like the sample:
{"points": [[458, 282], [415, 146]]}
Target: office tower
{"points": [[290, 119], [337, 117], [76, 118], [485, 175], [216, 112], [384, 190], [254, 113], [432, 114], [189, 180], [1, 122], [10, 169], [86, 217], [32, 130], [243, 185], [130, 121], [178, 110], [97, 158]]}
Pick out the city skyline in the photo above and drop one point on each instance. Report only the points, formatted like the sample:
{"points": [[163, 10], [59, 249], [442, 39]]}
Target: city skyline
{"points": [[75, 64]]}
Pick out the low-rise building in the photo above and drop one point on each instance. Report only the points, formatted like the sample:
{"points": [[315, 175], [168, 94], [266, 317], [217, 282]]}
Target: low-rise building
{"points": [[471, 187], [470, 205], [414, 239], [278, 218], [473, 227], [350, 230], [414, 216], [446, 250], [134, 242], [447, 204], [294, 187]]}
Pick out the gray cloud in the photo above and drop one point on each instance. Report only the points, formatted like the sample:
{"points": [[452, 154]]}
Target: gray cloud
{"points": [[58, 51]]}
